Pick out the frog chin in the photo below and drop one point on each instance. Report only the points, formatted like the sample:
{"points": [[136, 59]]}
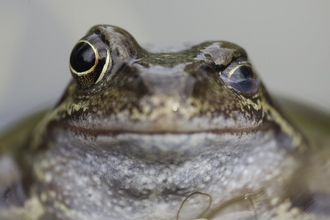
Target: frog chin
{"points": [[148, 170]]}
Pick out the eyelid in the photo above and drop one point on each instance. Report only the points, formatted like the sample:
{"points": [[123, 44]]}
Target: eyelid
{"points": [[240, 64]]}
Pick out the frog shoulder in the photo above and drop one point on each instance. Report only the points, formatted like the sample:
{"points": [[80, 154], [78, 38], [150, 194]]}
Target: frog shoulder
{"points": [[314, 123], [11, 191], [13, 138]]}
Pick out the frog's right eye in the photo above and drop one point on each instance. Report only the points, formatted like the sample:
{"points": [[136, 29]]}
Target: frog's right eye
{"points": [[89, 61]]}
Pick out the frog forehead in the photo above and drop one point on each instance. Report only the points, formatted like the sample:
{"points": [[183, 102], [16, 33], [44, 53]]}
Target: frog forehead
{"points": [[125, 48], [167, 91]]}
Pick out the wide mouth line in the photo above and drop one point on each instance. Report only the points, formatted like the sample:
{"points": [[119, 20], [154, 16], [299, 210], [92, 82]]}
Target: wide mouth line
{"points": [[114, 132]]}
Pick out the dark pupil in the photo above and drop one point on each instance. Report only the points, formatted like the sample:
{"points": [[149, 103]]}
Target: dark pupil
{"points": [[82, 57], [243, 72], [242, 79]]}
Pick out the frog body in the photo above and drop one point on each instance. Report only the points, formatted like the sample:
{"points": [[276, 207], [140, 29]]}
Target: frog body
{"points": [[171, 135]]}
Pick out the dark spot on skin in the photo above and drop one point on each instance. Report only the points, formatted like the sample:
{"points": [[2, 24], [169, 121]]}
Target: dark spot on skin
{"points": [[7, 193], [317, 203], [219, 68], [12, 196], [116, 52], [302, 200], [102, 37]]}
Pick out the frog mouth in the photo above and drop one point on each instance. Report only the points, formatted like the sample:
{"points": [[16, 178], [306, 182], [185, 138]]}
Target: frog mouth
{"points": [[159, 132], [149, 130], [165, 146]]}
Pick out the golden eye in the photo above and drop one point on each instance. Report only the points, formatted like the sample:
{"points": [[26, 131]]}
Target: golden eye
{"points": [[242, 78], [89, 61]]}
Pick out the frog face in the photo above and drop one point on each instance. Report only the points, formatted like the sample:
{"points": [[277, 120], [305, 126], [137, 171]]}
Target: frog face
{"points": [[141, 132], [120, 87]]}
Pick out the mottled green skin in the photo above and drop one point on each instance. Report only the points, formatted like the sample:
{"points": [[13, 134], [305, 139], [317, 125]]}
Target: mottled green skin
{"points": [[156, 131]]}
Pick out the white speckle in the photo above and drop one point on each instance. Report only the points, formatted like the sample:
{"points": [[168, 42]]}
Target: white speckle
{"points": [[227, 172], [57, 169], [208, 167], [81, 181], [172, 167], [246, 172], [109, 205], [152, 172], [43, 197], [161, 178], [233, 185], [122, 202], [129, 208], [207, 178], [48, 177], [144, 180], [257, 171], [114, 201], [52, 194], [67, 202], [250, 160], [103, 168], [68, 187], [274, 201], [96, 179]]}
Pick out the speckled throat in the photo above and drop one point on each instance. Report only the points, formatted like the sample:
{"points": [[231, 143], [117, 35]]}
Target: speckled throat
{"points": [[148, 176]]}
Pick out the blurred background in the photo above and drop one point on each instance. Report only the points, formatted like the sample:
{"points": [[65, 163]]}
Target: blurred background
{"points": [[287, 41]]}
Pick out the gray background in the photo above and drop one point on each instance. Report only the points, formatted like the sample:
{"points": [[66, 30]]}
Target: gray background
{"points": [[288, 42]]}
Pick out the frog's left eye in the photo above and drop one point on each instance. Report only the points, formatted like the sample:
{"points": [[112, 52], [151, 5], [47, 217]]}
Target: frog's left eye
{"points": [[241, 77], [89, 61]]}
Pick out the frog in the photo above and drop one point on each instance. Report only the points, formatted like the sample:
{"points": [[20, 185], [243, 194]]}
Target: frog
{"points": [[176, 134]]}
